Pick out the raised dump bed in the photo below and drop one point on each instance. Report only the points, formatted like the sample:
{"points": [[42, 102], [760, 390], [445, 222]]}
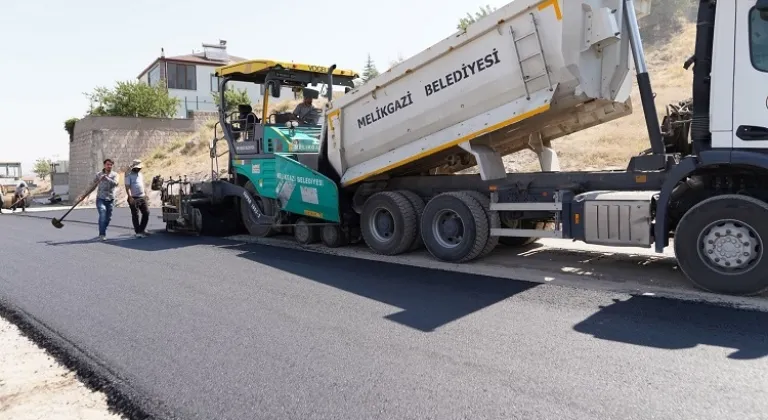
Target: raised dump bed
{"points": [[531, 68]]}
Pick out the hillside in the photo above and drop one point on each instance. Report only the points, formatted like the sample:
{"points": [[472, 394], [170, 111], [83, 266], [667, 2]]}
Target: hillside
{"points": [[606, 146]]}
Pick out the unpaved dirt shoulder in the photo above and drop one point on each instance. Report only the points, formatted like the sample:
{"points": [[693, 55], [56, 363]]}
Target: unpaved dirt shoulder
{"points": [[35, 386], [44, 376]]}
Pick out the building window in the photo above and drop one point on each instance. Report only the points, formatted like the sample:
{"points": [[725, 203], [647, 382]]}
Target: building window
{"points": [[182, 76], [758, 40], [214, 83], [154, 75]]}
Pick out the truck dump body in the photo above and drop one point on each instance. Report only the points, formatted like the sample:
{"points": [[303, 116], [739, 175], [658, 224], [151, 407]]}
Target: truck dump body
{"points": [[552, 67]]}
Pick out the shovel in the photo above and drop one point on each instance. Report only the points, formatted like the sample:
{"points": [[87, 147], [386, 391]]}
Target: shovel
{"points": [[57, 222], [17, 202]]}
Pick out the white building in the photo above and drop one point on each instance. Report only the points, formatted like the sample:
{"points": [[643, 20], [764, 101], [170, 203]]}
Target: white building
{"points": [[192, 79]]}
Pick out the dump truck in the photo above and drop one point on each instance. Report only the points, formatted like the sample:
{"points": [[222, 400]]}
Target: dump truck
{"points": [[384, 163]]}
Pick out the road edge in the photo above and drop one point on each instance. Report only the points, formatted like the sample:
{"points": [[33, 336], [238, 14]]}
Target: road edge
{"points": [[122, 399], [572, 281]]}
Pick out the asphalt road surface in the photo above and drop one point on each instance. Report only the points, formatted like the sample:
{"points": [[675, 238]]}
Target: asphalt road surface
{"points": [[210, 329]]}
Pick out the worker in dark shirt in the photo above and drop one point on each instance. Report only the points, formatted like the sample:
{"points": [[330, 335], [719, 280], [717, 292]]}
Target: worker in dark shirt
{"points": [[305, 112], [20, 196]]}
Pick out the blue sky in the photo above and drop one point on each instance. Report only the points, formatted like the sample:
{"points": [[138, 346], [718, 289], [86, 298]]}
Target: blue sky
{"points": [[53, 51]]}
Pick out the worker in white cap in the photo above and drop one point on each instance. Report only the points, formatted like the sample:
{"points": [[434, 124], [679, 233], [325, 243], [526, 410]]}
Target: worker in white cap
{"points": [[137, 198]]}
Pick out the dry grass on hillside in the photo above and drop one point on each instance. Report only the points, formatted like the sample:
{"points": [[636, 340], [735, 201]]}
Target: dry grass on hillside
{"points": [[606, 146], [189, 156], [611, 145], [42, 187]]}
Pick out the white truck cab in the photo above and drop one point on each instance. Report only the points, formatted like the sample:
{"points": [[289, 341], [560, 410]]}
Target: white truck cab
{"points": [[739, 96]]}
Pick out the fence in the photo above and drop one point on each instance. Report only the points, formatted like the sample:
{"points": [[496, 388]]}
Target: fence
{"points": [[196, 103], [190, 104]]}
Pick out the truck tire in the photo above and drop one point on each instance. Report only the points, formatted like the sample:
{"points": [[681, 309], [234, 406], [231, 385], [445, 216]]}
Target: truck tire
{"points": [[333, 236], [418, 207], [388, 223], [304, 233], [266, 205], [494, 222], [454, 227], [720, 245]]}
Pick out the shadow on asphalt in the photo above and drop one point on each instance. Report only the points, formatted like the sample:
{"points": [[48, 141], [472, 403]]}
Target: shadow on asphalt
{"points": [[157, 241], [75, 242], [429, 299], [676, 325]]}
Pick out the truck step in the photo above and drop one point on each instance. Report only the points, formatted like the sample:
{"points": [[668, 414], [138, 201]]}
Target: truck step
{"points": [[555, 206], [527, 233]]}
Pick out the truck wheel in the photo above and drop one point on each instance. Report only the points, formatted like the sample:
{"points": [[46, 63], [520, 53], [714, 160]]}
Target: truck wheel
{"points": [[266, 205], [388, 223], [454, 227], [333, 236], [418, 207], [304, 233], [494, 222], [719, 245]]}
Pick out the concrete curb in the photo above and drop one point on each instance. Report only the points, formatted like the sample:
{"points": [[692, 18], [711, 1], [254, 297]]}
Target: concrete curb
{"points": [[47, 209], [526, 274]]}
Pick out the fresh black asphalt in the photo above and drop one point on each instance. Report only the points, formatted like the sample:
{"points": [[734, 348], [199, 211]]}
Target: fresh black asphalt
{"points": [[200, 328]]}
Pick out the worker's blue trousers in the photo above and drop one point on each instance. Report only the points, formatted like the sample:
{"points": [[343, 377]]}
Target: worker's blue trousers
{"points": [[105, 214]]}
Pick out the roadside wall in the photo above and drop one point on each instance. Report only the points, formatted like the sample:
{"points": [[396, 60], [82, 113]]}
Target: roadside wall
{"points": [[122, 139]]}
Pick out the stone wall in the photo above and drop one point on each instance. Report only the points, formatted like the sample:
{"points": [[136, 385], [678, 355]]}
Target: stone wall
{"points": [[202, 117], [121, 139]]}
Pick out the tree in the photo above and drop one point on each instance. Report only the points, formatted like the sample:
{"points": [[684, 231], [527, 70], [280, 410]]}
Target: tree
{"points": [[369, 72], [233, 98], [42, 168], [396, 61], [133, 99], [69, 126], [466, 21]]}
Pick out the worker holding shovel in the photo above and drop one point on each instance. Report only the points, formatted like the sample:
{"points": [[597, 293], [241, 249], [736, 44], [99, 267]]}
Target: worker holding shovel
{"points": [[107, 181], [20, 196]]}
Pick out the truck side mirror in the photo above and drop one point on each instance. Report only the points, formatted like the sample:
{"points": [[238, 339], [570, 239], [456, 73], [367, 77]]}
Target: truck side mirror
{"points": [[762, 7], [274, 89], [157, 183], [347, 89]]}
